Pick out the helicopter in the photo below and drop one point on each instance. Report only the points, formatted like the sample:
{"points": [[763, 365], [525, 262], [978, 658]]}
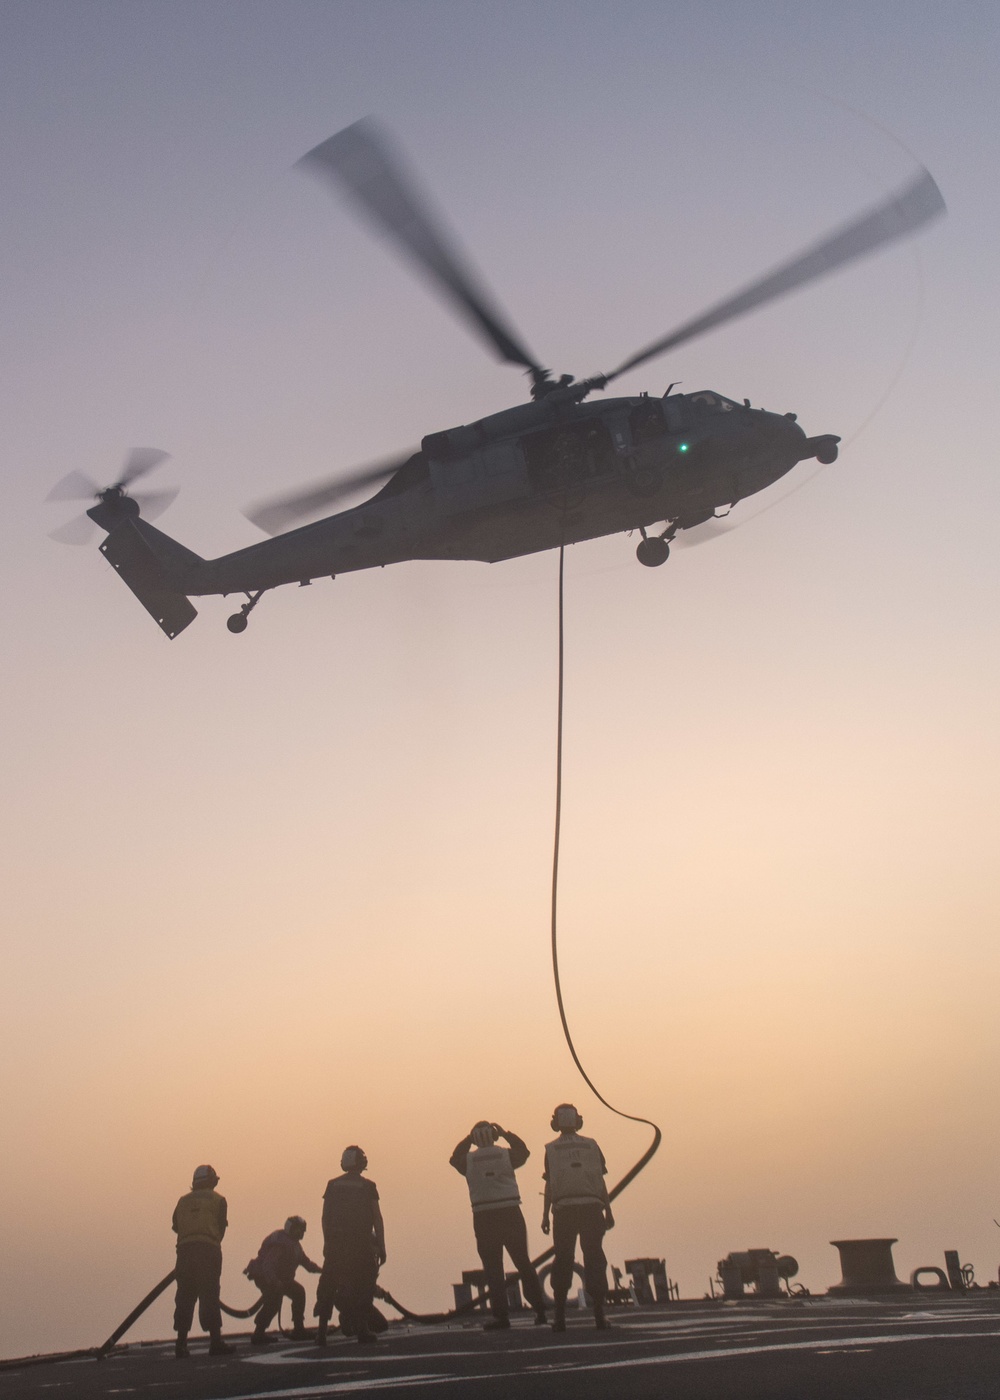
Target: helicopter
{"points": [[554, 470]]}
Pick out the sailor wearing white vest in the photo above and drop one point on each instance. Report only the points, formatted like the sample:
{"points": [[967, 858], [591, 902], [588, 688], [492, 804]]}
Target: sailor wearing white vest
{"points": [[576, 1194], [496, 1215]]}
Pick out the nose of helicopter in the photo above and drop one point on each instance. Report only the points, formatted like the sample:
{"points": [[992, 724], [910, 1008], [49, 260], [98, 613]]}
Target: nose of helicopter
{"points": [[781, 445], [784, 431]]}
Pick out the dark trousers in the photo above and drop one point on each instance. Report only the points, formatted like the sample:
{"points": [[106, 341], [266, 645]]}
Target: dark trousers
{"points": [[496, 1231], [199, 1273], [271, 1296], [587, 1222], [347, 1283]]}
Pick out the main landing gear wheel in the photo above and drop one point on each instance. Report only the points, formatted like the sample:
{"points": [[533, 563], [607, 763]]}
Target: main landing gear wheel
{"points": [[827, 454], [652, 552], [237, 623]]}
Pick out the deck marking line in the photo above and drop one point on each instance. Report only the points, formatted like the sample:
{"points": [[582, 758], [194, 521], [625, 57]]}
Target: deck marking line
{"points": [[319, 1391]]}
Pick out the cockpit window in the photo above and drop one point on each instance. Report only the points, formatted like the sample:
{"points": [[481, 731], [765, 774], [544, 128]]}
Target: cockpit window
{"points": [[710, 402]]}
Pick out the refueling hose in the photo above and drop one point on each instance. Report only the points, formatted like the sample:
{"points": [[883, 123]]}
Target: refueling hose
{"points": [[647, 1156], [429, 1318], [633, 1118]]}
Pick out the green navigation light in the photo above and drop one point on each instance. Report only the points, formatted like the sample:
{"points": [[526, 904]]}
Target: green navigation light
{"points": [[682, 447]]}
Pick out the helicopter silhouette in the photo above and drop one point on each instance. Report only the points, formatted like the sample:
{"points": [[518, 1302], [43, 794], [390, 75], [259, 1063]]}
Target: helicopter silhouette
{"points": [[548, 472]]}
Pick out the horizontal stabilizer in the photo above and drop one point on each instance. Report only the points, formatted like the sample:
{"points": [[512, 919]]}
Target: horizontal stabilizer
{"points": [[131, 557]]}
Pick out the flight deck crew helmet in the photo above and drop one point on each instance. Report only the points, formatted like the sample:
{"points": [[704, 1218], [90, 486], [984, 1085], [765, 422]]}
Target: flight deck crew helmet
{"points": [[484, 1134], [566, 1118], [295, 1226], [353, 1159], [204, 1176]]}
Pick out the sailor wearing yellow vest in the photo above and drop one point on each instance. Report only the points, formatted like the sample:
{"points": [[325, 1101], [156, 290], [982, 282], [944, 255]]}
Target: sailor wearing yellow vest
{"points": [[577, 1196], [496, 1215], [199, 1222]]}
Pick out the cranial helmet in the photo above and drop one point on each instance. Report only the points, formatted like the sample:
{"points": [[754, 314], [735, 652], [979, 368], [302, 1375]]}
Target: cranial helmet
{"points": [[204, 1176], [565, 1117], [295, 1226], [353, 1159], [484, 1134]]}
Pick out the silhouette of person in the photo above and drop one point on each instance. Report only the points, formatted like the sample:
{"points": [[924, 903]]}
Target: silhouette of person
{"points": [[199, 1222], [273, 1271], [576, 1194], [353, 1250], [496, 1215]]}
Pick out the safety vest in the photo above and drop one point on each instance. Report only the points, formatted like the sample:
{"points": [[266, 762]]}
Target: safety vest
{"points": [[491, 1179], [200, 1217], [574, 1170]]}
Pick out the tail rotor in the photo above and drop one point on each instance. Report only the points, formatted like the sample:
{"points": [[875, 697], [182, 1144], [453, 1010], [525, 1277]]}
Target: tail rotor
{"points": [[115, 499]]}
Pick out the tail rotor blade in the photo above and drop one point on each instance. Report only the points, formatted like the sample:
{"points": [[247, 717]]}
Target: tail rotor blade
{"points": [[75, 487], [913, 206], [154, 503], [76, 531], [362, 162], [282, 512], [140, 461]]}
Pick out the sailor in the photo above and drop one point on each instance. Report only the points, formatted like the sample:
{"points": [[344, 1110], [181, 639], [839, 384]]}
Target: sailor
{"points": [[199, 1222], [353, 1250], [496, 1215], [577, 1196], [273, 1271]]}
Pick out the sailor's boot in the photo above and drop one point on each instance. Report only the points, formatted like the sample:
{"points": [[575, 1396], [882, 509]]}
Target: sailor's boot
{"points": [[559, 1316]]}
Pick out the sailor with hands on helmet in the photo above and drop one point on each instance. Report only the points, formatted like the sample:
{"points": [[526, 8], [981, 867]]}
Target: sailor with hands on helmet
{"points": [[273, 1271], [199, 1222], [496, 1215], [576, 1195], [353, 1250]]}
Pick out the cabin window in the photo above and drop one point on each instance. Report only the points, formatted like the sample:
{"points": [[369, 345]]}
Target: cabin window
{"points": [[573, 453], [647, 421]]}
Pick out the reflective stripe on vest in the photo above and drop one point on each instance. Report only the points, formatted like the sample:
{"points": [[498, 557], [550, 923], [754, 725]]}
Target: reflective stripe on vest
{"points": [[491, 1178], [573, 1168], [198, 1217]]}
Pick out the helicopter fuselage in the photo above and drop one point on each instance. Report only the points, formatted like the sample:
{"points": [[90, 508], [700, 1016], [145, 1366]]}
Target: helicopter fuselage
{"points": [[533, 477]]}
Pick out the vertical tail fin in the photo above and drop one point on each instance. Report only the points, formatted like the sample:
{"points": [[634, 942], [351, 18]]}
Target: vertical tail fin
{"points": [[130, 554]]}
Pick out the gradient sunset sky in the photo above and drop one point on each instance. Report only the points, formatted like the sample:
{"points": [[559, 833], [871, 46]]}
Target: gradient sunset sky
{"points": [[268, 895]]}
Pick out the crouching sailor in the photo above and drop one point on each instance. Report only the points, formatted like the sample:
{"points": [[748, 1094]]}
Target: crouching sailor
{"points": [[353, 1250], [273, 1271], [496, 1215], [576, 1194], [199, 1222]]}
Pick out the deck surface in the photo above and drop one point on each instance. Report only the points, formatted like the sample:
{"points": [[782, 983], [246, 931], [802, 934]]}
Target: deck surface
{"points": [[919, 1349]]}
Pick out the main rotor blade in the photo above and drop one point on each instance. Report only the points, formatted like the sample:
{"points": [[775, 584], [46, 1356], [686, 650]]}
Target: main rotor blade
{"points": [[75, 487], [361, 159], [281, 512], [916, 204], [140, 461], [75, 531], [701, 534]]}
